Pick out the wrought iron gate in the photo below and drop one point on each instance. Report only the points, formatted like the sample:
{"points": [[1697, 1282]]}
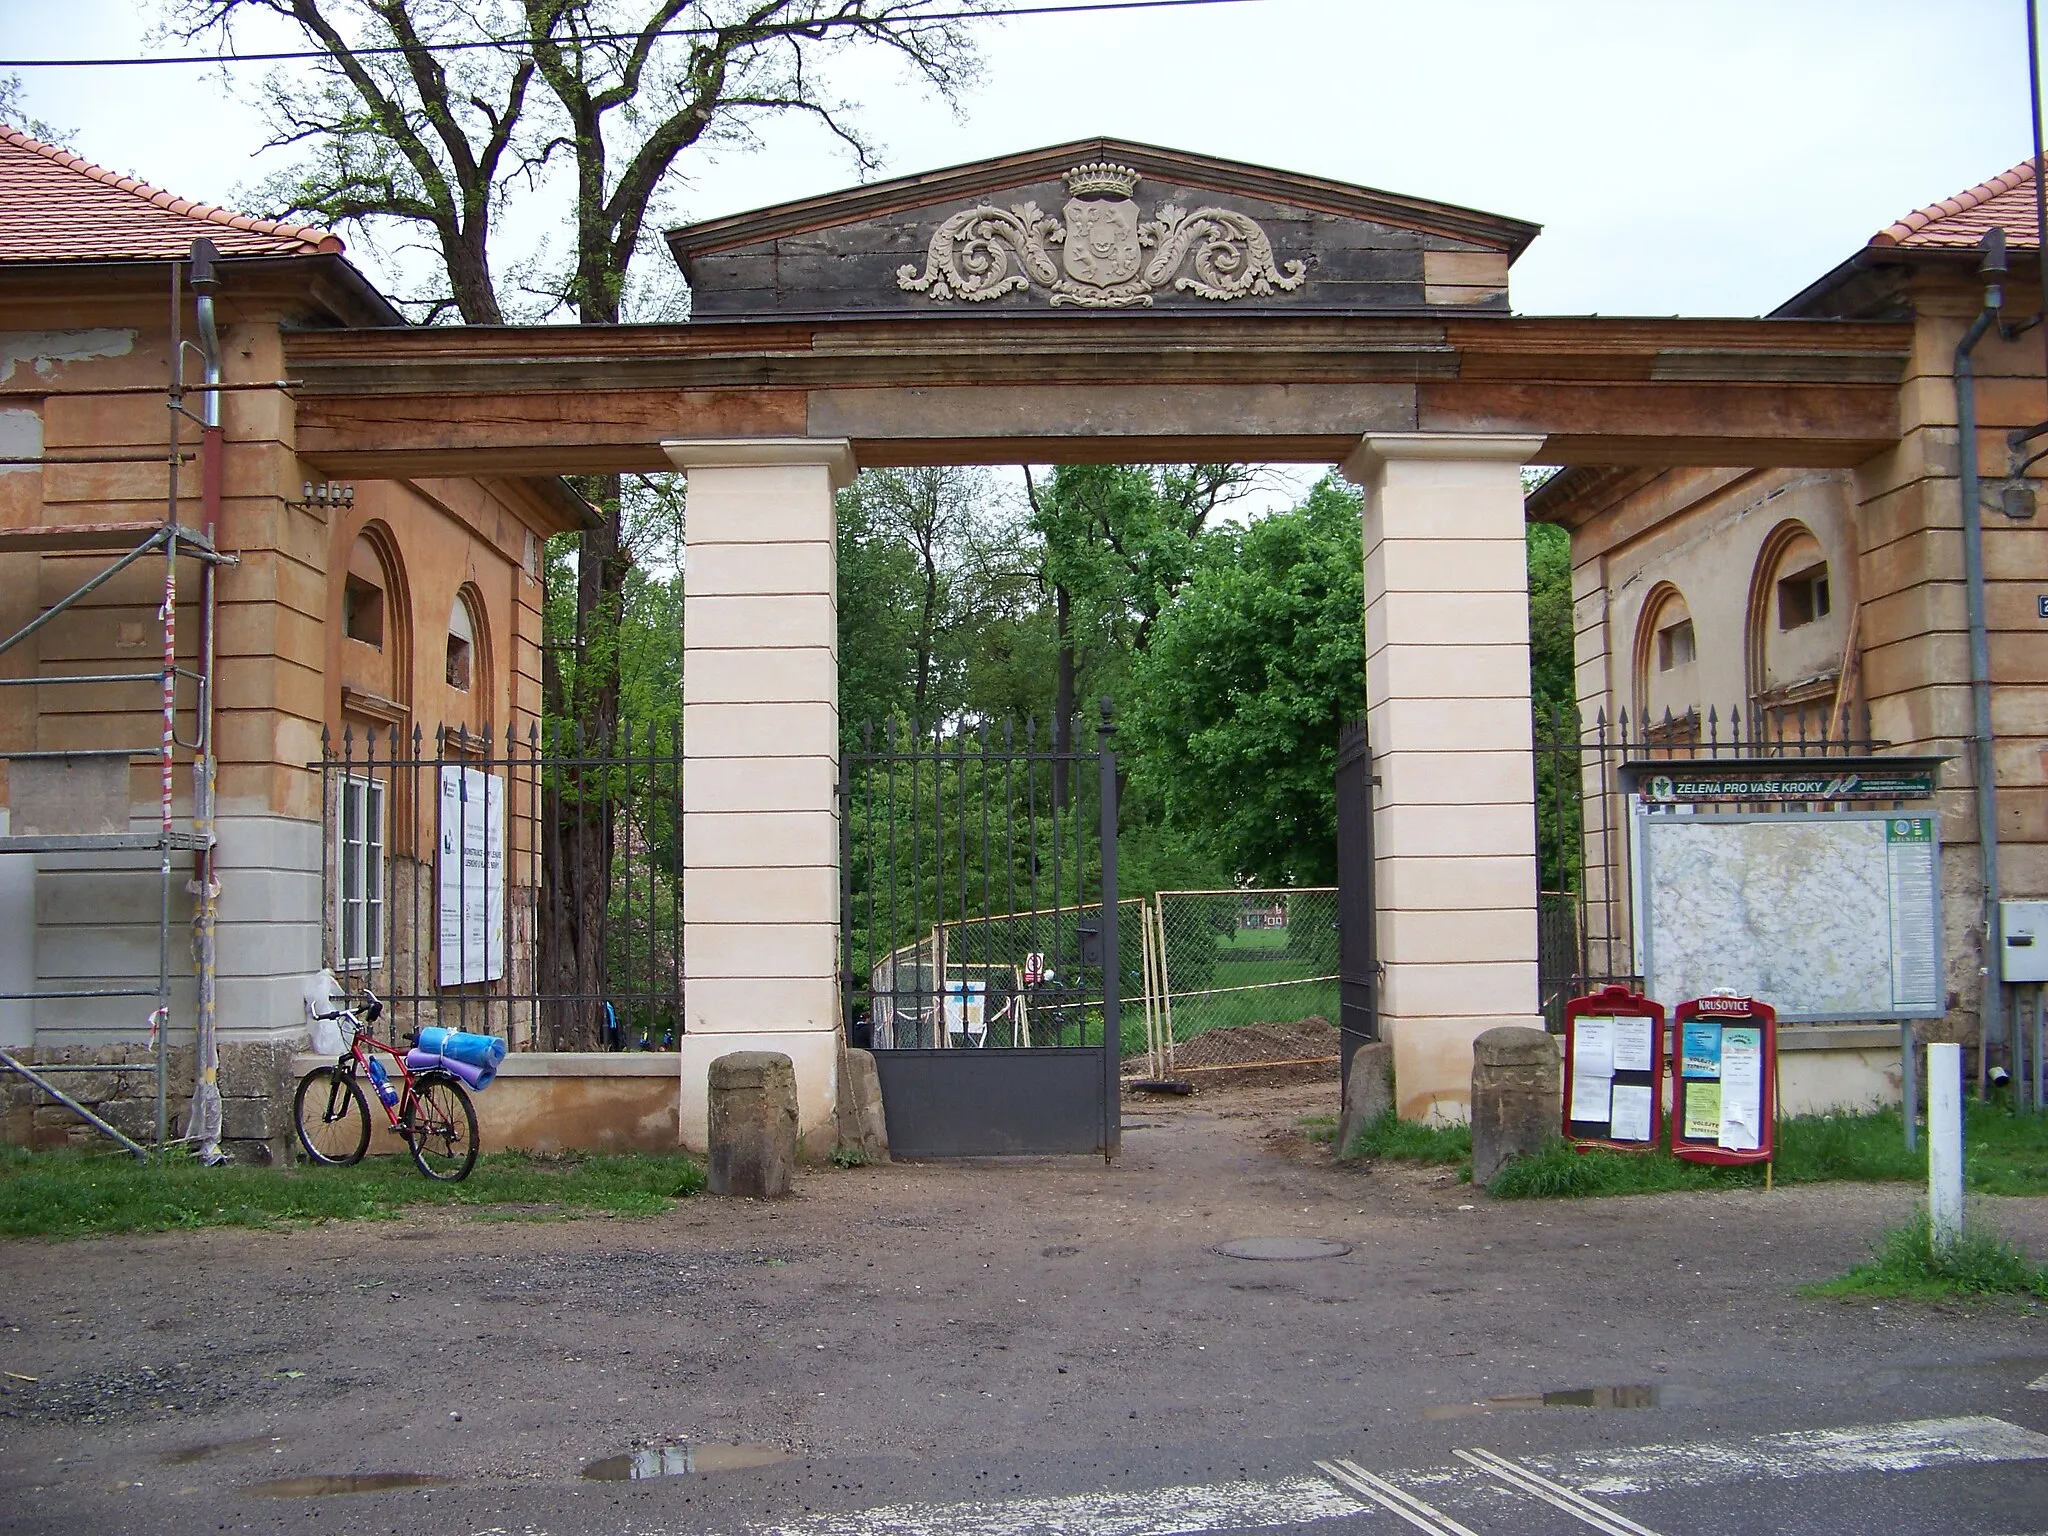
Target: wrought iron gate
{"points": [[1357, 951], [983, 962]]}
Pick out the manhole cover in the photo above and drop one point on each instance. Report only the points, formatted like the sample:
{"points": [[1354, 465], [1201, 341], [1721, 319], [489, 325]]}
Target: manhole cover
{"points": [[1283, 1248]]}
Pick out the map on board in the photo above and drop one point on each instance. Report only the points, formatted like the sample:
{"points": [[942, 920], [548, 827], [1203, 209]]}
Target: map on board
{"points": [[1823, 915]]}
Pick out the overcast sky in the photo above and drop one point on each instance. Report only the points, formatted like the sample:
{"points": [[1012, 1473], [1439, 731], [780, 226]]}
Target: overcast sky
{"points": [[1683, 156]]}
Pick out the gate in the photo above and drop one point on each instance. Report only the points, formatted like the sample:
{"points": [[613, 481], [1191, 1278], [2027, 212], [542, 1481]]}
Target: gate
{"points": [[1358, 1007], [983, 961]]}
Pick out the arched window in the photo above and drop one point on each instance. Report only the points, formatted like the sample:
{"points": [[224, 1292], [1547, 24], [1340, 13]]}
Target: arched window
{"points": [[469, 659], [375, 631], [1796, 633], [1667, 668], [461, 646]]}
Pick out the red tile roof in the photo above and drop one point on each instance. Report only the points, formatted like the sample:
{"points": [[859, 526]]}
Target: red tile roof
{"points": [[56, 207], [2005, 201]]}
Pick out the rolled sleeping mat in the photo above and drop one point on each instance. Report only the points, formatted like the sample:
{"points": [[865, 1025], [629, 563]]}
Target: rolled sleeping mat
{"points": [[477, 1050], [477, 1078]]}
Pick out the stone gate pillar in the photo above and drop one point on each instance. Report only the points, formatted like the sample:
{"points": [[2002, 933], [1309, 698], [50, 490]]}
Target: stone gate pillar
{"points": [[760, 764], [1447, 700]]}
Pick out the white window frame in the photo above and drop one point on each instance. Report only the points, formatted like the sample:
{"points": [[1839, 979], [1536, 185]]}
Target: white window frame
{"points": [[361, 886]]}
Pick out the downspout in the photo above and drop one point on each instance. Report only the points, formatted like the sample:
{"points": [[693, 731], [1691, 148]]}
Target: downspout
{"points": [[1991, 1015], [204, 1123]]}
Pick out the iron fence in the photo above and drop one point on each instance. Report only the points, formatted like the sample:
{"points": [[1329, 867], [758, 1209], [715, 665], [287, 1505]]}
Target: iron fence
{"points": [[524, 884], [972, 890], [1584, 828]]}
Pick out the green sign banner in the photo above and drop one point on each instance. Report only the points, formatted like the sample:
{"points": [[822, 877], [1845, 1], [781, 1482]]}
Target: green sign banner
{"points": [[1807, 780]]}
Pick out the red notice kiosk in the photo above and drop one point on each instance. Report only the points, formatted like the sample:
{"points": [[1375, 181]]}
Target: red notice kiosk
{"points": [[1725, 1104], [1614, 1070]]}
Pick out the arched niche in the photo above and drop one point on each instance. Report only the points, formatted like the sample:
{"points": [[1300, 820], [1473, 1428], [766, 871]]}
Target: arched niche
{"points": [[376, 628], [1667, 671], [1794, 637], [467, 661]]}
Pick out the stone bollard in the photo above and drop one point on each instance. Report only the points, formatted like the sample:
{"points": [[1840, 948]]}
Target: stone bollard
{"points": [[1368, 1093], [863, 1132], [1514, 1096], [753, 1125]]}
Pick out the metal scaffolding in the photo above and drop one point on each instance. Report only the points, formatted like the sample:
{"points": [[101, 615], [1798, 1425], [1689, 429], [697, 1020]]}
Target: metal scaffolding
{"points": [[130, 544]]}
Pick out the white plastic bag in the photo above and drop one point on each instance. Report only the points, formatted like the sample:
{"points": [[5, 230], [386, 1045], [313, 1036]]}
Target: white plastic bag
{"points": [[324, 994]]}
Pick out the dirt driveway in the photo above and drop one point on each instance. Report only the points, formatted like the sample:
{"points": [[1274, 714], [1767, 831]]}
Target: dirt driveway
{"points": [[1037, 1308]]}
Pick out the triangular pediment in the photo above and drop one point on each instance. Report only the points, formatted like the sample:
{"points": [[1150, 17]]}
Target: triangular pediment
{"points": [[1100, 225]]}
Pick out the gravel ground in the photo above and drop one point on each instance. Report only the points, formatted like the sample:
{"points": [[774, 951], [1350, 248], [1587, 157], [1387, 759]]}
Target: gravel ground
{"points": [[994, 1309]]}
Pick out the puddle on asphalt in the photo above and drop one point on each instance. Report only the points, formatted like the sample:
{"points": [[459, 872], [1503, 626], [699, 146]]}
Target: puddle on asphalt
{"points": [[679, 1460], [348, 1482], [1634, 1396], [212, 1448]]}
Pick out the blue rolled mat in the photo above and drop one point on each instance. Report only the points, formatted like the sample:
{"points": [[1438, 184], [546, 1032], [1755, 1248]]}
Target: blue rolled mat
{"points": [[476, 1050], [477, 1078]]}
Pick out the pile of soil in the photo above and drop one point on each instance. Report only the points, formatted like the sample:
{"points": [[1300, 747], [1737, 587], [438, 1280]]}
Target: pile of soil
{"points": [[1305, 1040]]}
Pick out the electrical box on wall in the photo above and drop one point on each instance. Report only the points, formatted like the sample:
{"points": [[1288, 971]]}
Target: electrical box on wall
{"points": [[2024, 953]]}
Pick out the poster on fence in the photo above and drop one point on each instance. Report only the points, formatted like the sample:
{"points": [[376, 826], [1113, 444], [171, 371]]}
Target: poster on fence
{"points": [[472, 877]]}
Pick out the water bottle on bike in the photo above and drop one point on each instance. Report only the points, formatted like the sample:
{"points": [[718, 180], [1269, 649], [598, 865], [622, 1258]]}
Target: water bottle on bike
{"points": [[382, 1079]]}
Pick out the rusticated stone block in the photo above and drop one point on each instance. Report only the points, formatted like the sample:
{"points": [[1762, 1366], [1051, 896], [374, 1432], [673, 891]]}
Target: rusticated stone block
{"points": [[1515, 1088], [753, 1129], [1368, 1092], [862, 1128]]}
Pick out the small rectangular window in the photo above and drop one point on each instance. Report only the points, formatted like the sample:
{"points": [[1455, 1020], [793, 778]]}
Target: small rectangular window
{"points": [[1803, 597], [458, 663], [359, 860], [362, 612], [1674, 645]]}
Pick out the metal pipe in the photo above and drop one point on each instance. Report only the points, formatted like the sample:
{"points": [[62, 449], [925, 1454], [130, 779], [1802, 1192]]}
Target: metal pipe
{"points": [[78, 1109], [203, 1122], [1991, 1009]]}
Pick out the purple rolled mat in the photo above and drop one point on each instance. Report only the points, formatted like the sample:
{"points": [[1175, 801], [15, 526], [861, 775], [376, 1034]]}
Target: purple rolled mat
{"points": [[478, 1078]]}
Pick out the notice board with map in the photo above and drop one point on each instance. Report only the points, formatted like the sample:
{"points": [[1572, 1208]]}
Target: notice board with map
{"points": [[1832, 915]]}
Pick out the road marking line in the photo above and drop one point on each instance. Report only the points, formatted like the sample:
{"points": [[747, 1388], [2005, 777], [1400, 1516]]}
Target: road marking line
{"points": [[1141, 1512], [1910, 1446], [1577, 1505], [2039, 1383], [1418, 1514]]}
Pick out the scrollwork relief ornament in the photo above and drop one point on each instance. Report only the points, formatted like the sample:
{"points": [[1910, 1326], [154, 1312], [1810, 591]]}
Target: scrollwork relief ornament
{"points": [[1211, 253]]}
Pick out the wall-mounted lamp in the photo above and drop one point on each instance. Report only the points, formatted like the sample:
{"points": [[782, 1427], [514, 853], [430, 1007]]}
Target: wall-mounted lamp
{"points": [[323, 497]]}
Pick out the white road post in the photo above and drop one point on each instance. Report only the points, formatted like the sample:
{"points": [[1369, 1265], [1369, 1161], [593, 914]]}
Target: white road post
{"points": [[1945, 1142]]}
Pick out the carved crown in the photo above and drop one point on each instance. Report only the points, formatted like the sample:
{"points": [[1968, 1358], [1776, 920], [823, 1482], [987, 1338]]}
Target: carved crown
{"points": [[1101, 179]]}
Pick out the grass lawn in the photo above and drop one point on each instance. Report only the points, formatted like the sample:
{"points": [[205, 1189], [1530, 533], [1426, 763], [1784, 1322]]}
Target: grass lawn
{"points": [[1905, 1262], [79, 1194], [1268, 1004], [2005, 1154]]}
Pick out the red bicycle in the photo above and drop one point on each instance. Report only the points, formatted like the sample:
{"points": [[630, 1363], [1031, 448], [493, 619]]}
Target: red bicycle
{"points": [[430, 1109]]}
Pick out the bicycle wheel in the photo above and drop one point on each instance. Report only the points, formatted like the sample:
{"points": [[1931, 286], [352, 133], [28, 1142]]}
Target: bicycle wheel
{"points": [[440, 1127], [333, 1119]]}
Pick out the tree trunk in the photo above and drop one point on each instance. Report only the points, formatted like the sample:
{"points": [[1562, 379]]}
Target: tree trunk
{"points": [[579, 845]]}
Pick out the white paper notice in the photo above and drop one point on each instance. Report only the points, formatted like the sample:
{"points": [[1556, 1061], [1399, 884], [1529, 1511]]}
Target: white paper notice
{"points": [[1742, 1089], [1593, 1050], [1631, 1044], [1589, 1097], [1631, 1112]]}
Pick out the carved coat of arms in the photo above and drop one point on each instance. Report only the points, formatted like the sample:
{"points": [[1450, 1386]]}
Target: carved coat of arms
{"points": [[1212, 253]]}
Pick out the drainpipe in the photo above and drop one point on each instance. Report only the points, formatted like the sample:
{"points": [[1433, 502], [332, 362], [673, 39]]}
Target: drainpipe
{"points": [[203, 1126], [1991, 1017]]}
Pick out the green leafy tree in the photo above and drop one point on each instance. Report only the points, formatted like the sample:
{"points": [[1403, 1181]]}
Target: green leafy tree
{"points": [[1554, 698], [1248, 677]]}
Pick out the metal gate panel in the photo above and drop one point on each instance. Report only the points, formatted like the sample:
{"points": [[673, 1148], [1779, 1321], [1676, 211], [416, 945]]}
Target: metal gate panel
{"points": [[1357, 945], [969, 1103], [982, 958]]}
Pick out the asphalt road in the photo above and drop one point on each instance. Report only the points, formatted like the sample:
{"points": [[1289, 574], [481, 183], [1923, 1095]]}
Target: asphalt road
{"points": [[1028, 1349]]}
